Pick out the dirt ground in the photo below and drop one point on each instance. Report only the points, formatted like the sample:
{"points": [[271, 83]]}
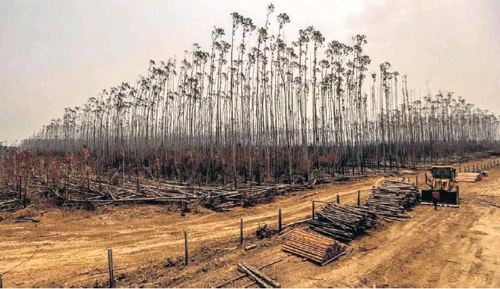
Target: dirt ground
{"points": [[451, 247]]}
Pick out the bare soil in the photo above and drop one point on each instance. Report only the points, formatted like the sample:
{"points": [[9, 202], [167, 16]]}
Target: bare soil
{"points": [[451, 247]]}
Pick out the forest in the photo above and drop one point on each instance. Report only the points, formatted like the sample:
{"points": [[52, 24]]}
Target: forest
{"points": [[253, 108]]}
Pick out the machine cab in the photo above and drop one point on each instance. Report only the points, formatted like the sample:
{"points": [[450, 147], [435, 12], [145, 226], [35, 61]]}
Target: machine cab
{"points": [[443, 172]]}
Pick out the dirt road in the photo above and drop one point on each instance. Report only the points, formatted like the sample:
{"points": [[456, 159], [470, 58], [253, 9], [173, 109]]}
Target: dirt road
{"points": [[448, 248]]}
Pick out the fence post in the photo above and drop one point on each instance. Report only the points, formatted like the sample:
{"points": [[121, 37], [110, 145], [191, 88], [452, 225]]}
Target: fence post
{"points": [[1, 282], [359, 198], [280, 224], [312, 215], [338, 199], [416, 180], [110, 267], [241, 232], [186, 251]]}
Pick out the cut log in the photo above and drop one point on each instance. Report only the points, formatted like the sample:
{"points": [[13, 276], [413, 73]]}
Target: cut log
{"points": [[254, 277], [262, 276], [250, 247], [243, 275]]}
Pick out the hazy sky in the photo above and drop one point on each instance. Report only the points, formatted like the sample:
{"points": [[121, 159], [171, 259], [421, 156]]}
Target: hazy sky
{"points": [[55, 54]]}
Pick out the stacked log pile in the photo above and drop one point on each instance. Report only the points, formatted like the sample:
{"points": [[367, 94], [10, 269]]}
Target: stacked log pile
{"points": [[392, 199], [388, 202], [343, 222], [468, 177], [314, 247], [405, 194]]}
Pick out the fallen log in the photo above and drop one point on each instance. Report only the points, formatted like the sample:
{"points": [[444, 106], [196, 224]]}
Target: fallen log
{"points": [[262, 276], [27, 219], [250, 247], [254, 277], [243, 275]]}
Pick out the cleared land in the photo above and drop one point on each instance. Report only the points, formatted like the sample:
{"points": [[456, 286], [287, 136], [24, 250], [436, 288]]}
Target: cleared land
{"points": [[446, 248]]}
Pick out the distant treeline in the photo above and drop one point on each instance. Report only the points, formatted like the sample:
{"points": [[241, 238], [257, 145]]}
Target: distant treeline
{"points": [[252, 107]]}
